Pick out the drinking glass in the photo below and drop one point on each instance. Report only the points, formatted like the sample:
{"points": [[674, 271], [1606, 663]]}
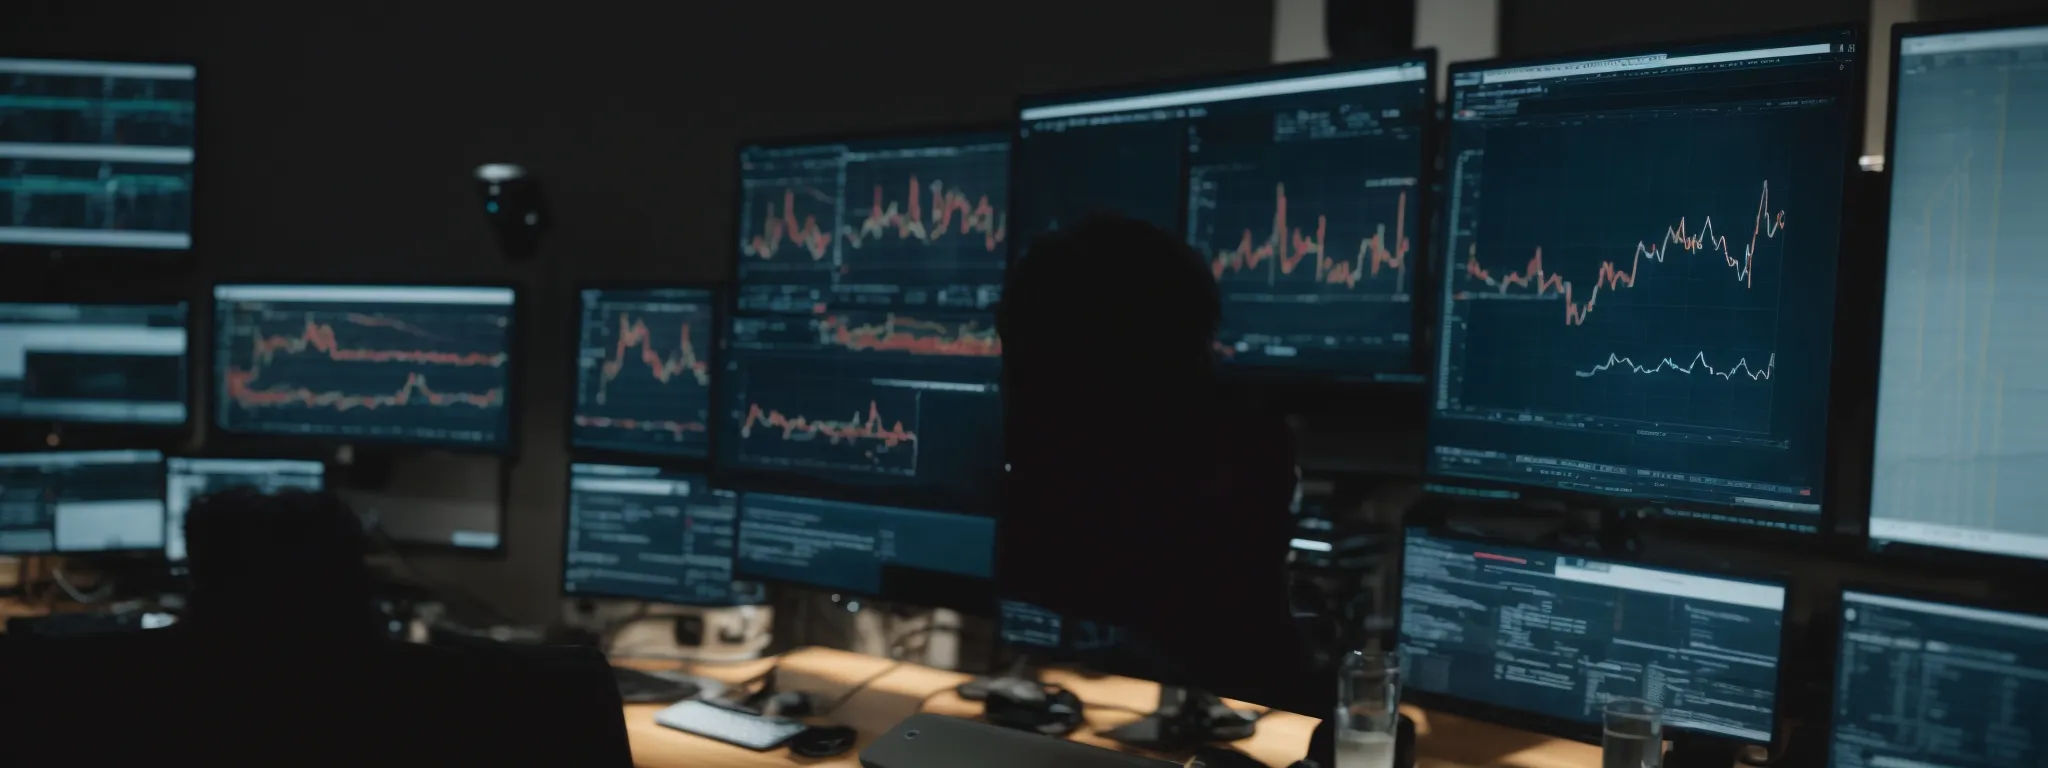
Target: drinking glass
{"points": [[1368, 709], [1632, 735]]}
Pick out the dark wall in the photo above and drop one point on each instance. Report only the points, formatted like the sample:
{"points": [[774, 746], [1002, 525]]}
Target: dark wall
{"points": [[338, 142], [1543, 27]]}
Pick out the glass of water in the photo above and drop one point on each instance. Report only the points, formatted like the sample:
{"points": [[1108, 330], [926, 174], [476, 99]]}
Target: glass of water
{"points": [[1368, 709], [1633, 734]]}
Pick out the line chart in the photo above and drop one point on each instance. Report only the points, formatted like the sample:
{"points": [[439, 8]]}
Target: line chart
{"points": [[804, 431], [948, 207], [781, 228], [643, 373], [246, 395], [634, 339], [901, 333], [855, 428], [1283, 250], [1536, 280], [1698, 363]]}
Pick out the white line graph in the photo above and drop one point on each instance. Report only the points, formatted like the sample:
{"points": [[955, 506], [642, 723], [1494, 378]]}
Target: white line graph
{"points": [[1698, 362]]}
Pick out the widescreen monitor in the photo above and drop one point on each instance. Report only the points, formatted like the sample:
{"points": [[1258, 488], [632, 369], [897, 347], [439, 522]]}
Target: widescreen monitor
{"points": [[1543, 639], [1640, 260], [1304, 188], [100, 363], [427, 365], [96, 155], [912, 556], [192, 478], [1938, 682], [862, 359], [643, 370], [648, 533], [1961, 457], [68, 502]]}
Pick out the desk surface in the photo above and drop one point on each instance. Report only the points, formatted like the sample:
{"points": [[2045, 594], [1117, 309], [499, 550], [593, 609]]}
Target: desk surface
{"points": [[1446, 741]]}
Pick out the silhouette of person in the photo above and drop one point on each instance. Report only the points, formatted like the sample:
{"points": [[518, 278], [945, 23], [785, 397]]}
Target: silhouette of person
{"points": [[1139, 492], [281, 567]]}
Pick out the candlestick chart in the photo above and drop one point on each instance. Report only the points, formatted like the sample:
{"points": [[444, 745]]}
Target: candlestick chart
{"points": [[415, 373], [644, 371]]}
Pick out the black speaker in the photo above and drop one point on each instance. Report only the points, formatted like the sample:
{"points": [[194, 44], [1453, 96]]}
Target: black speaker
{"points": [[1368, 29]]}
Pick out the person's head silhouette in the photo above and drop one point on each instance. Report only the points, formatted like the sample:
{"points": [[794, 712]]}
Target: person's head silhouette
{"points": [[289, 563]]}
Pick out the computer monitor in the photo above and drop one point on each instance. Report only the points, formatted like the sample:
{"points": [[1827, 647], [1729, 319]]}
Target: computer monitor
{"points": [[191, 478], [1304, 187], [647, 533], [102, 363], [1925, 682], [68, 502], [428, 365], [1542, 639], [643, 370], [1961, 459], [892, 553], [1606, 326], [97, 155], [862, 361]]}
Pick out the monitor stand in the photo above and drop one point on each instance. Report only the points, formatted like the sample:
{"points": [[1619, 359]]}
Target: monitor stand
{"points": [[1185, 718]]}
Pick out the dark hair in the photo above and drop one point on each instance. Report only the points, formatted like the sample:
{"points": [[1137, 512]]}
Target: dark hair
{"points": [[289, 560]]}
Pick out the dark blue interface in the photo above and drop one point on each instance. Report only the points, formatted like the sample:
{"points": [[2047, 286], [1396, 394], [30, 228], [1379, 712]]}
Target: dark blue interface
{"points": [[1921, 683], [1640, 260], [1556, 636], [1302, 190], [81, 501], [651, 534], [190, 479], [97, 154], [111, 363], [412, 364], [643, 371], [889, 552]]}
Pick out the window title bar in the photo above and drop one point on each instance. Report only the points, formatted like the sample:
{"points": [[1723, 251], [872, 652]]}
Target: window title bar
{"points": [[1308, 84], [1645, 62], [387, 294], [2025, 37]]}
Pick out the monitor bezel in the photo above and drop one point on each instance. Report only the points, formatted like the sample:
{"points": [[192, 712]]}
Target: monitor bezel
{"points": [[163, 480], [714, 357], [94, 435], [1656, 512], [725, 474], [77, 261], [562, 589], [1866, 461], [1321, 386], [1589, 733], [515, 343], [981, 607]]}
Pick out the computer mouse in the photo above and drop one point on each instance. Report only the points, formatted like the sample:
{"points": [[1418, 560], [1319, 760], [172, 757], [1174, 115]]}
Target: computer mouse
{"points": [[824, 741]]}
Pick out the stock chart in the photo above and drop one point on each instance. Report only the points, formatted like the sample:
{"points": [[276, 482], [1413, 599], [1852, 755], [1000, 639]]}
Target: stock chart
{"points": [[1639, 297], [96, 154], [643, 371], [422, 365], [909, 223], [1302, 192]]}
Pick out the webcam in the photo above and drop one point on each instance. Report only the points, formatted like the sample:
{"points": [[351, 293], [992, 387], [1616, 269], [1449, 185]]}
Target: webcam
{"points": [[513, 204]]}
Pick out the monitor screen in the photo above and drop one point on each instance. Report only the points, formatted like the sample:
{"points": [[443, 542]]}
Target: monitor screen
{"points": [[907, 555], [81, 501], [1606, 326], [1554, 636], [193, 478], [107, 363], [97, 154], [1953, 468], [643, 371], [1303, 189], [413, 364], [651, 534], [1924, 683]]}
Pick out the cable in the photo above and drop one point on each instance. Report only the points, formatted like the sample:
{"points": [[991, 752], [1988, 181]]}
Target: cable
{"points": [[860, 686], [100, 591], [897, 649]]}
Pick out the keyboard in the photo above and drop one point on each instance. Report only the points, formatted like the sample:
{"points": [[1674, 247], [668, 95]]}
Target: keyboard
{"points": [[636, 686], [743, 729]]}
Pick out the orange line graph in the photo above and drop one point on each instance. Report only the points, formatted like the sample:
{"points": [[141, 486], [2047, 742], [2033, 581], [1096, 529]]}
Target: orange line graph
{"points": [[898, 333], [1533, 276], [858, 427], [805, 234], [633, 334], [1283, 250], [240, 389], [947, 207], [677, 428], [320, 338]]}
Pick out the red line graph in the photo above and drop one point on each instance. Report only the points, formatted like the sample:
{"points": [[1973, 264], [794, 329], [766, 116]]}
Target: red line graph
{"points": [[856, 428], [1698, 361], [897, 333], [948, 206], [677, 428], [320, 337], [240, 389], [633, 334], [1533, 277], [1283, 250], [776, 228]]}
